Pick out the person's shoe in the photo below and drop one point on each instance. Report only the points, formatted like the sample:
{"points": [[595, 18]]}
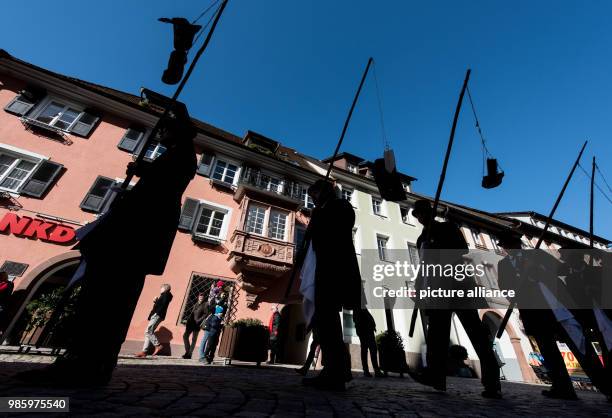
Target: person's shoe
{"points": [[427, 379], [367, 374], [568, 395], [140, 354], [324, 383], [202, 359], [378, 373], [158, 348], [186, 356], [492, 394], [301, 371]]}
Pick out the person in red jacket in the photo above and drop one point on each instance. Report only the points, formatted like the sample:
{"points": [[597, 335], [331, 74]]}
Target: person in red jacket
{"points": [[6, 290], [274, 327]]}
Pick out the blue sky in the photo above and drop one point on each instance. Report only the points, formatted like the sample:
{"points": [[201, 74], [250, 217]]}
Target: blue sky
{"points": [[288, 69]]}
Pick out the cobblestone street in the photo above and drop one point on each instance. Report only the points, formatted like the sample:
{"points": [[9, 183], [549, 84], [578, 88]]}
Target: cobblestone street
{"points": [[176, 387]]}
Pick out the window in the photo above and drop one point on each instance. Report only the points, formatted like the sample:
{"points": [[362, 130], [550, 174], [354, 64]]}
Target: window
{"points": [[200, 283], [348, 323], [154, 150], [406, 215], [13, 268], [406, 187], [256, 219], [131, 139], [477, 237], [277, 224], [494, 244], [210, 222], [26, 173], [14, 171], [271, 184], [377, 206], [205, 220], [351, 168], [413, 253], [225, 172], [266, 221], [347, 194], [306, 199], [381, 243], [58, 115]]}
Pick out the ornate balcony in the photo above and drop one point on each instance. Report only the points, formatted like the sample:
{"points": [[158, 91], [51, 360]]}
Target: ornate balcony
{"points": [[254, 181], [259, 262]]}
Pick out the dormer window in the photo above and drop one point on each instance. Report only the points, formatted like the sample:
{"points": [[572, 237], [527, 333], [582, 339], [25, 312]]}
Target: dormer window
{"points": [[351, 168]]}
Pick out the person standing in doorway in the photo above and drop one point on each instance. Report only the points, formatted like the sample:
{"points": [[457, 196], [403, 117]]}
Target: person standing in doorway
{"points": [[156, 316], [366, 329], [194, 324]]}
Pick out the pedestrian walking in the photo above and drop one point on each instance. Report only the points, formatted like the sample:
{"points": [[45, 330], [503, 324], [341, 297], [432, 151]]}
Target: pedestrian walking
{"points": [[337, 281], [156, 316], [447, 246]]}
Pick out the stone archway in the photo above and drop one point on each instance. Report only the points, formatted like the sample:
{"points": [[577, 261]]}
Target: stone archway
{"points": [[527, 372], [31, 282]]}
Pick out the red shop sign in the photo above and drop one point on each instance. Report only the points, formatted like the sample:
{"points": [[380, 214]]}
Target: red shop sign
{"points": [[27, 227]]}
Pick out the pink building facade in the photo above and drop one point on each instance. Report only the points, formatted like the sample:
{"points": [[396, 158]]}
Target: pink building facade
{"points": [[64, 145]]}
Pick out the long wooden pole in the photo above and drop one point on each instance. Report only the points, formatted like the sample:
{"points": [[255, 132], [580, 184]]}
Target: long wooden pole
{"points": [[441, 180], [297, 266], [179, 89], [592, 206], [504, 322]]}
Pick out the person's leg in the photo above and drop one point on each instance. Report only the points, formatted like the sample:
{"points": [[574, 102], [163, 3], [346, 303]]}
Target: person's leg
{"points": [[211, 347], [479, 337], [438, 335], [203, 345], [194, 339], [363, 345], [186, 337], [371, 342], [332, 344], [553, 361], [150, 337]]}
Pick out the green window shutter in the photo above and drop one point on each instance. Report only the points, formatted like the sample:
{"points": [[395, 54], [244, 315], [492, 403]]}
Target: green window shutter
{"points": [[42, 179], [188, 214]]}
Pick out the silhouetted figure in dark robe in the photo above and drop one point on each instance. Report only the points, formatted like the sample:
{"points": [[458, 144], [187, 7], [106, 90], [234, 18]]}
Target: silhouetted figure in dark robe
{"points": [[129, 242], [365, 326], [337, 281], [447, 236]]}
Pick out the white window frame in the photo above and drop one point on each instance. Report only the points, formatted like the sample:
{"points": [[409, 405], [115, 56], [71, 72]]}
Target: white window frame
{"points": [[223, 159], [352, 168], [158, 145], [266, 223], [307, 200], [205, 204], [478, 238], [385, 238], [40, 107], [381, 206], [351, 191], [409, 220], [281, 182], [19, 154]]}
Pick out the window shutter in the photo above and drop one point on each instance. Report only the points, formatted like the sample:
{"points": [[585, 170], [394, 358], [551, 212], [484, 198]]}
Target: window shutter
{"points": [[131, 139], [206, 163], [25, 101], [188, 214], [42, 179], [97, 194], [85, 124]]}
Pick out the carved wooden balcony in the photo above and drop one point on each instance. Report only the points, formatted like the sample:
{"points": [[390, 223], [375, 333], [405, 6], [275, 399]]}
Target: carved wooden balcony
{"points": [[259, 262]]}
